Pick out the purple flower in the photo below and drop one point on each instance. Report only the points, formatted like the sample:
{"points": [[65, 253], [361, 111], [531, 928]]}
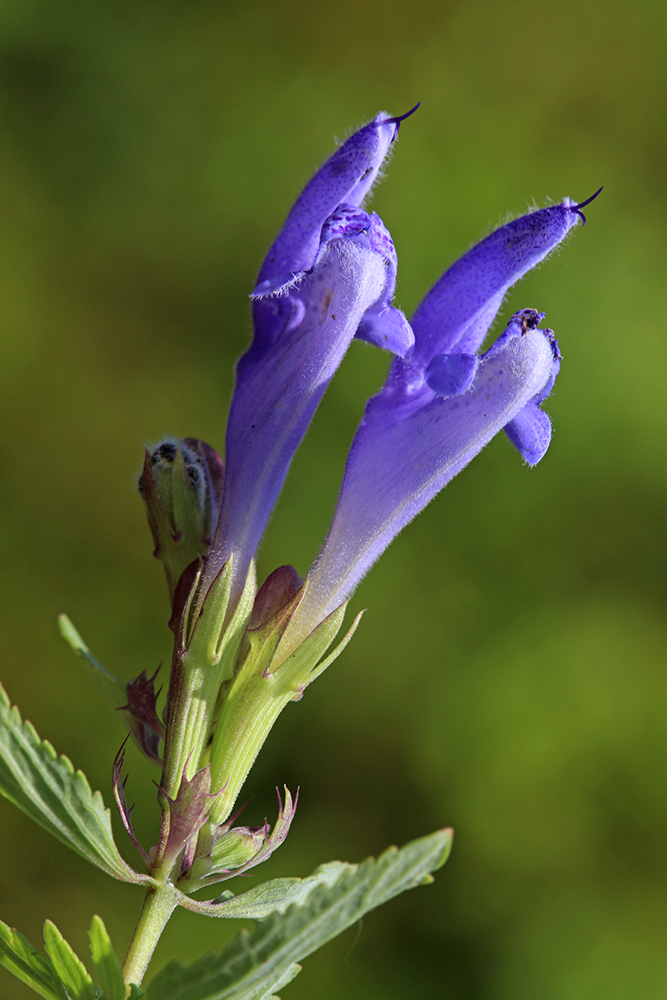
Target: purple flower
{"points": [[329, 276], [443, 403]]}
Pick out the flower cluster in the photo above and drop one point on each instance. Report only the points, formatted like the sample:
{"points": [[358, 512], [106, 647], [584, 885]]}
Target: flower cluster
{"points": [[240, 654]]}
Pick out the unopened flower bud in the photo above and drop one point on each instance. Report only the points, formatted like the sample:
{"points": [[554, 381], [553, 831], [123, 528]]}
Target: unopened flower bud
{"points": [[236, 847], [180, 484]]}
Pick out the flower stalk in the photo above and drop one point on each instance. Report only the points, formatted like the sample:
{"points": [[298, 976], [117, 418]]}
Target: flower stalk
{"points": [[158, 905]]}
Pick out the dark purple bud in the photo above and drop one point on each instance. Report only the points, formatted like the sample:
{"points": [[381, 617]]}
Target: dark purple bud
{"points": [[276, 591], [141, 717]]}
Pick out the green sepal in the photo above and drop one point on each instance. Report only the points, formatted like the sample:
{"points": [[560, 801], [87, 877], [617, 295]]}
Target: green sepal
{"points": [[235, 848], [107, 966], [19, 957], [207, 639], [47, 789], [264, 684], [67, 965], [205, 650], [305, 664], [254, 965]]}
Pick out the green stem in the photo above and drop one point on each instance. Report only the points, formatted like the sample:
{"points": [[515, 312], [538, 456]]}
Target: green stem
{"points": [[159, 904]]}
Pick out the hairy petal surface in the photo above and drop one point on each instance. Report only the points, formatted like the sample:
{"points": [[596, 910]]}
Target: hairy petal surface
{"points": [[330, 275], [347, 176], [401, 458], [455, 315], [279, 385]]}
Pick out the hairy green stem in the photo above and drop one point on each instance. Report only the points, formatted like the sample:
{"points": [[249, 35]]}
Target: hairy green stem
{"points": [[159, 904]]}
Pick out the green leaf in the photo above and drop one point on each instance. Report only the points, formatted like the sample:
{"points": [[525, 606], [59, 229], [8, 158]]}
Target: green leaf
{"points": [[254, 965], [114, 690], [107, 966], [48, 790], [68, 967], [288, 975], [26, 963], [269, 897]]}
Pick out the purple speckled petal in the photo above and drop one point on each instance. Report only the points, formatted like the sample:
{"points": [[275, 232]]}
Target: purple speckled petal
{"points": [[456, 314], [530, 433], [382, 324], [397, 466], [451, 374], [386, 327], [347, 176], [280, 383]]}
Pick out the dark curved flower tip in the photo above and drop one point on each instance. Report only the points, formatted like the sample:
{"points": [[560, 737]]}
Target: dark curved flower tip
{"points": [[401, 118], [582, 204]]}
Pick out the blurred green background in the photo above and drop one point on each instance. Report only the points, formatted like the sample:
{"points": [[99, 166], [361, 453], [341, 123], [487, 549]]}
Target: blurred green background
{"points": [[510, 677]]}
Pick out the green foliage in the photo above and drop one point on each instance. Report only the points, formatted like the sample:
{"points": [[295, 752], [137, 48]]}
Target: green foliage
{"points": [[60, 974], [68, 967], [256, 964], [106, 964], [114, 690], [58, 798], [26, 963]]}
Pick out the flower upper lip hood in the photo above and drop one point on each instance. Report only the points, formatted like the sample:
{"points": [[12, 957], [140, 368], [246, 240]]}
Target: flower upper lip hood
{"points": [[346, 177]]}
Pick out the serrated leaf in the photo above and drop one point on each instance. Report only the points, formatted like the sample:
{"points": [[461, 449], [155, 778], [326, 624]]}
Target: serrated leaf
{"points": [[269, 897], [107, 966], [254, 965], [134, 701], [67, 965], [290, 973], [47, 789], [114, 689], [19, 957]]}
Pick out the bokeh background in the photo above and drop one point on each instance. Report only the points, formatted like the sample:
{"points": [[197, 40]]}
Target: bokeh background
{"points": [[510, 677]]}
